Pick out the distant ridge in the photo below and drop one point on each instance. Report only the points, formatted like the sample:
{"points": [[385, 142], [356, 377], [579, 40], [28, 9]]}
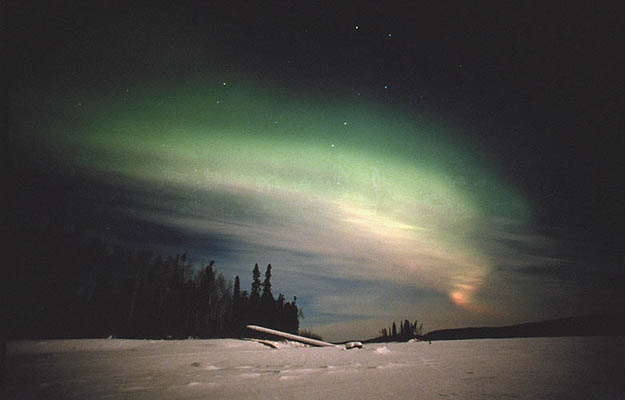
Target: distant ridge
{"points": [[588, 325]]}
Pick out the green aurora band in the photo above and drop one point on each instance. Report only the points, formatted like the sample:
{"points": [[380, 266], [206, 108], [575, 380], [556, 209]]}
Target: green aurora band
{"points": [[378, 193]]}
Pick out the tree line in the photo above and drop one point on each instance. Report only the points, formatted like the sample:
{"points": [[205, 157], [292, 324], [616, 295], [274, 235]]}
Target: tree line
{"points": [[168, 301], [407, 330], [66, 287]]}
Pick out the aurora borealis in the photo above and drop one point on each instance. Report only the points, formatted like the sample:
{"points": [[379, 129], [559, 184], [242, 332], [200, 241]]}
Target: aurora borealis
{"points": [[369, 207], [362, 192]]}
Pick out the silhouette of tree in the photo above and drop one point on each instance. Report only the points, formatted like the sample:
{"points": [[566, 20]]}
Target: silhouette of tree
{"points": [[267, 308], [237, 289], [407, 330], [280, 321], [255, 294], [267, 296], [291, 316]]}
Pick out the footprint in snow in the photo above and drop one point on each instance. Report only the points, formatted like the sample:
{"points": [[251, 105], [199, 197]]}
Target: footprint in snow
{"points": [[209, 367]]}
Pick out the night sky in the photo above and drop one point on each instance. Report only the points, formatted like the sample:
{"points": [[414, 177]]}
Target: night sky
{"points": [[459, 164]]}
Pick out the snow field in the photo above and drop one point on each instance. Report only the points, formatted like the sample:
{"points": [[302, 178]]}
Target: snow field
{"points": [[547, 368]]}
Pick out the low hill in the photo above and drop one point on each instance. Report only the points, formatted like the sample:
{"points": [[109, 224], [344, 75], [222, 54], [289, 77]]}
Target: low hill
{"points": [[589, 325]]}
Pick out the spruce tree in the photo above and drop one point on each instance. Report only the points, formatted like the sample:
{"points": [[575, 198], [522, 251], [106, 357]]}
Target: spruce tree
{"points": [[280, 323], [255, 294], [254, 304], [267, 295], [267, 303], [237, 288], [289, 318]]}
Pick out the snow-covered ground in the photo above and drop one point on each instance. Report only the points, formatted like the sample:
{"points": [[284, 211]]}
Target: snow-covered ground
{"points": [[542, 368]]}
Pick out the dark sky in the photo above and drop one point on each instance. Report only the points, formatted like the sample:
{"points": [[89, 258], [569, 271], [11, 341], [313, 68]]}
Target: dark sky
{"points": [[531, 93]]}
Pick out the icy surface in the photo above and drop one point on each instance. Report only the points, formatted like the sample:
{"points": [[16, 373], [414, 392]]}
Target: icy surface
{"points": [[546, 368]]}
